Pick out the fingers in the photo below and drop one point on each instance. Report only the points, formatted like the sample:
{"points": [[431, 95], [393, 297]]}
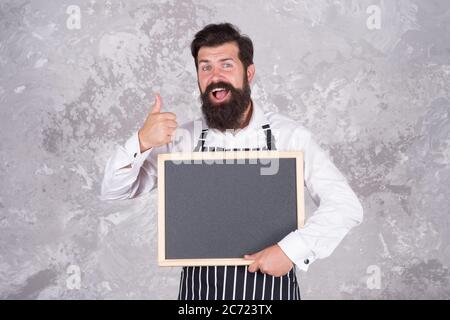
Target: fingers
{"points": [[157, 105], [167, 115], [255, 265], [171, 132], [168, 128], [170, 123], [259, 266]]}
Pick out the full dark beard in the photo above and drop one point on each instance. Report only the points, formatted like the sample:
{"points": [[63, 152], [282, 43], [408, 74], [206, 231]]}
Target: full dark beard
{"points": [[228, 114]]}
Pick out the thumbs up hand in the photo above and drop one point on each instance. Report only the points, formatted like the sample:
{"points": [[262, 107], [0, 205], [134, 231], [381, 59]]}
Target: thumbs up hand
{"points": [[158, 128]]}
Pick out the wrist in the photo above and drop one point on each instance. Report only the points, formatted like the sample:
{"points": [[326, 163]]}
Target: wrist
{"points": [[143, 146]]}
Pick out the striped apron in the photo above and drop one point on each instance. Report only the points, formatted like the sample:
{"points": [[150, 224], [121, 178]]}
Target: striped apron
{"points": [[235, 282]]}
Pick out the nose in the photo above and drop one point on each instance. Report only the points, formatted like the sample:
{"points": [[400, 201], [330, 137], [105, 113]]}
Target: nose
{"points": [[216, 75]]}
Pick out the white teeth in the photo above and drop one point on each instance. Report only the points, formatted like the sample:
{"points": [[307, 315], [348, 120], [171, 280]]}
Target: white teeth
{"points": [[218, 89]]}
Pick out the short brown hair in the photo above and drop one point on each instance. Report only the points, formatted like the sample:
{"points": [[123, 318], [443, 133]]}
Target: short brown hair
{"points": [[214, 35]]}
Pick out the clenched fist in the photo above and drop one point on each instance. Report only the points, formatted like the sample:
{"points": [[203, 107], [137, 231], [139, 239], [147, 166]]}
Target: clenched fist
{"points": [[158, 128]]}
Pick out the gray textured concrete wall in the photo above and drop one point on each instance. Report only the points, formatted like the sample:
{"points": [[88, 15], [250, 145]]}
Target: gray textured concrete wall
{"points": [[375, 93]]}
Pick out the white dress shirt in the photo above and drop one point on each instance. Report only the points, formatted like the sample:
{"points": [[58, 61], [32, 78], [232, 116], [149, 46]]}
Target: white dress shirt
{"points": [[130, 173]]}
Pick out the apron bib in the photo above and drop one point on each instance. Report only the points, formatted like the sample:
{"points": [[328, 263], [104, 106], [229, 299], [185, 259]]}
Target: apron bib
{"points": [[235, 282]]}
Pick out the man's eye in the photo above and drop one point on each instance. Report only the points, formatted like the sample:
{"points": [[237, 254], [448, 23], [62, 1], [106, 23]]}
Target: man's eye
{"points": [[227, 65], [206, 68]]}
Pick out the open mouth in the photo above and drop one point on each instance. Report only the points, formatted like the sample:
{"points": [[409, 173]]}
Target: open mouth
{"points": [[219, 94]]}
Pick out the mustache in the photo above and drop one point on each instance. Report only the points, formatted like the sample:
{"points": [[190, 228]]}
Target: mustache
{"points": [[229, 113], [220, 84]]}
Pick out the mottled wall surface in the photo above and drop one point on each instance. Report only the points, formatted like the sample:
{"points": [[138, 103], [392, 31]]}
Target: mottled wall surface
{"points": [[375, 93]]}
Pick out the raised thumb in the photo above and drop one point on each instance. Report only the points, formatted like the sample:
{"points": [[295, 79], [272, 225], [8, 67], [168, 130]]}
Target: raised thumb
{"points": [[157, 105]]}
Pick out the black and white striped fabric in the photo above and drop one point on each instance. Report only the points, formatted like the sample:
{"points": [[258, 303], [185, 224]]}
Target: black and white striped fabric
{"points": [[236, 282]]}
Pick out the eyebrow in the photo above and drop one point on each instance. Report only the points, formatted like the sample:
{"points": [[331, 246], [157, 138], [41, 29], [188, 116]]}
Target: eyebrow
{"points": [[221, 60]]}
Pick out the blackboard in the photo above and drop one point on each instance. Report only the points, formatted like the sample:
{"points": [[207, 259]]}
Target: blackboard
{"points": [[214, 207]]}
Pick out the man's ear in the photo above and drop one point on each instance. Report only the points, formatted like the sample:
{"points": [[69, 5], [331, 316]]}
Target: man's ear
{"points": [[250, 73]]}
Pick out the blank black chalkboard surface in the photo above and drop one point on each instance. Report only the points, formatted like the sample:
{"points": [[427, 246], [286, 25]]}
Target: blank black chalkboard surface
{"points": [[215, 207]]}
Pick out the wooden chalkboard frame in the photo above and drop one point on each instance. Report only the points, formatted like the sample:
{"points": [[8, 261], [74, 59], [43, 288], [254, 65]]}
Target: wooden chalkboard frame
{"points": [[219, 155]]}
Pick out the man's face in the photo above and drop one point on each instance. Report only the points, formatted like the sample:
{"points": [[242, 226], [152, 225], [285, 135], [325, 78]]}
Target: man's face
{"points": [[224, 85], [217, 64]]}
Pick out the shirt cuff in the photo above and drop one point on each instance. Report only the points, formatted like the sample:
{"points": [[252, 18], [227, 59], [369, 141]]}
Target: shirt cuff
{"points": [[296, 250], [134, 156]]}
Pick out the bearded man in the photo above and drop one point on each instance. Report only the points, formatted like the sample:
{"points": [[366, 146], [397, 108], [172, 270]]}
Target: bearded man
{"points": [[232, 121]]}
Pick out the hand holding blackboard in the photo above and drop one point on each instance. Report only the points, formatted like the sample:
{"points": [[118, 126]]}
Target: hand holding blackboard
{"points": [[271, 260]]}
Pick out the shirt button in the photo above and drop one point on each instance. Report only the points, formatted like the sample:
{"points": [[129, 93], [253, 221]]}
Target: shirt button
{"points": [[135, 155], [306, 261]]}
